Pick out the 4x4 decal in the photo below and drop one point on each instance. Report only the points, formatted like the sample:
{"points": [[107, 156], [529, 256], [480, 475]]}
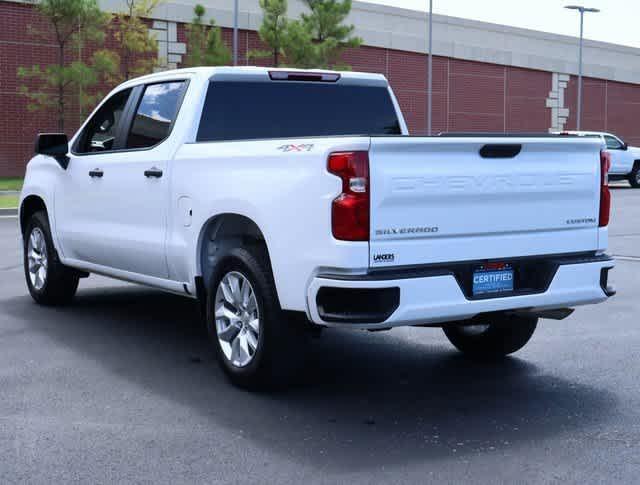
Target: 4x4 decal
{"points": [[296, 148]]}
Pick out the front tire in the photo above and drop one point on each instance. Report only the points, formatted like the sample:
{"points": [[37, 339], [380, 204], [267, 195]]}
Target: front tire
{"points": [[48, 280], [634, 176], [493, 336], [256, 345]]}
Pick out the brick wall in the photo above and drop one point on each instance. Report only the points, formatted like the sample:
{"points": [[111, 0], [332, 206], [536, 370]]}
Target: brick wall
{"points": [[607, 106], [467, 96]]}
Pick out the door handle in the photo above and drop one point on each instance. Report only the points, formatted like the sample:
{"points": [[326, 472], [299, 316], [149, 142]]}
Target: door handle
{"points": [[153, 172], [96, 172]]}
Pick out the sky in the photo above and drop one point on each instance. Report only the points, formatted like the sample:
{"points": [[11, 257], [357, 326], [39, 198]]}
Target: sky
{"points": [[618, 22]]}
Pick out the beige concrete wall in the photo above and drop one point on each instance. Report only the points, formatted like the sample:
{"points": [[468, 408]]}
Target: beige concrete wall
{"points": [[402, 29]]}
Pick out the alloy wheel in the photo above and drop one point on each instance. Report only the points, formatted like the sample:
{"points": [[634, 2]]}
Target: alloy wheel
{"points": [[237, 319], [37, 258]]}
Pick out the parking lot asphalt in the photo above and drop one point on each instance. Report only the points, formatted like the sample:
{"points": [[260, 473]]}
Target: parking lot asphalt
{"points": [[122, 386]]}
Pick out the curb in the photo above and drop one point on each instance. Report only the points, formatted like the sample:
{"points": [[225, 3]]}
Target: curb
{"points": [[9, 212]]}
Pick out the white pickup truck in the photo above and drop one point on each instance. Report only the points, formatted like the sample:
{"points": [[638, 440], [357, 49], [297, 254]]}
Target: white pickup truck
{"points": [[625, 159], [288, 201]]}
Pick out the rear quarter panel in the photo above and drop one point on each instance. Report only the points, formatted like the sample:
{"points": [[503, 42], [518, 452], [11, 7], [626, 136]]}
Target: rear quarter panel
{"points": [[281, 185]]}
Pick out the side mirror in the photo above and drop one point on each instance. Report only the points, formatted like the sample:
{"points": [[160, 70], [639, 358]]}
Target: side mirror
{"points": [[55, 145], [625, 146]]}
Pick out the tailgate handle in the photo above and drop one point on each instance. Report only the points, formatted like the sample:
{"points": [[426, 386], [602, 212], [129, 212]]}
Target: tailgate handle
{"points": [[500, 151]]}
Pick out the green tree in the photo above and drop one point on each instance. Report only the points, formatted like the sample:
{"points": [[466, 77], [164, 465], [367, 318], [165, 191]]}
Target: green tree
{"points": [[299, 47], [273, 31], [205, 46], [196, 39], [216, 52], [73, 23], [331, 36], [138, 50]]}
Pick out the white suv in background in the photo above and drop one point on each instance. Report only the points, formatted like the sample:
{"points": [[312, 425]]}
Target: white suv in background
{"points": [[625, 159]]}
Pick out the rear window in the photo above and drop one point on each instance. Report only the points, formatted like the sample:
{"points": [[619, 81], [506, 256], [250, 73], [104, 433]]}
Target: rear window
{"points": [[155, 114], [253, 110]]}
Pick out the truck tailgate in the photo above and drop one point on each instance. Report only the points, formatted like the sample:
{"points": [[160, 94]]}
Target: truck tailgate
{"points": [[438, 200]]}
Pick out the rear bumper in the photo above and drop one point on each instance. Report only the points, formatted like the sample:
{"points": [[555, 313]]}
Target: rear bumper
{"points": [[432, 296]]}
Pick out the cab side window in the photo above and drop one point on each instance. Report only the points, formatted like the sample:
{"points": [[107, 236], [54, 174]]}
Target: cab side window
{"points": [[100, 133], [155, 114], [612, 143]]}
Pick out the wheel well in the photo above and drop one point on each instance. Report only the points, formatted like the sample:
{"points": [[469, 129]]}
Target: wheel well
{"points": [[30, 205], [223, 232]]}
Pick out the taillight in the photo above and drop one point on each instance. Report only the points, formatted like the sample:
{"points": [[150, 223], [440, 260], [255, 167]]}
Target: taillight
{"points": [[350, 210], [605, 195]]}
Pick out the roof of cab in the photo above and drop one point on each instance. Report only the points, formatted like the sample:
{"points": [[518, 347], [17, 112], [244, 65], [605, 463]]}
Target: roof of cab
{"points": [[586, 133], [209, 71]]}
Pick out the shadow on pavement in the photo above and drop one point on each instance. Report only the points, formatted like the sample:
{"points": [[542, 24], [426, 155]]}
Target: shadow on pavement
{"points": [[370, 400]]}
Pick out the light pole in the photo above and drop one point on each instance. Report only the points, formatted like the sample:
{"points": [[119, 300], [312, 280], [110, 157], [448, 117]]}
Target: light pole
{"points": [[430, 70], [235, 33], [582, 10]]}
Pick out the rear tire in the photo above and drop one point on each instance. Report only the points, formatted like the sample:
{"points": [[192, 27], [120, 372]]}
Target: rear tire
{"points": [[257, 346], [48, 280], [634, 176], [493, 336]]}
